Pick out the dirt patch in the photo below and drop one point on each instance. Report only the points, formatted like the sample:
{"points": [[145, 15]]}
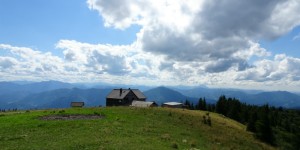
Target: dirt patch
{"points": [[71, 117]]}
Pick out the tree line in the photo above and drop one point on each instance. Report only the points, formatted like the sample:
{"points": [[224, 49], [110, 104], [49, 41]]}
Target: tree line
{"points": [[276, 126]]}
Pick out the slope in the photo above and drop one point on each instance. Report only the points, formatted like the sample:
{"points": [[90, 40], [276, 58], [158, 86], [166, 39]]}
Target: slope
{"points": [[124, 128]]}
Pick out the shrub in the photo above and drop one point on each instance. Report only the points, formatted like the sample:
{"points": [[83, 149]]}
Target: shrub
{"points": [[204, 119], [97, 113], [193, 144], [61, 111], [175, 145], [208, 121]]}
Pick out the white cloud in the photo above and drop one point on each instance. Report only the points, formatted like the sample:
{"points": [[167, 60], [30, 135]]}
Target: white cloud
{"points": [[82, 62], [210, 42], [25, 61], [179, 42], [284, 18], [111, 64], [7, 62], [202, 31], [282, 68]]}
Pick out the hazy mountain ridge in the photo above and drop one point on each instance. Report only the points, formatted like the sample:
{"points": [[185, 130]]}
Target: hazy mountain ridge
{"points": [[54, 94], [255, 97], [61, 98], [36, 87], [22, 94], [164, 94]]}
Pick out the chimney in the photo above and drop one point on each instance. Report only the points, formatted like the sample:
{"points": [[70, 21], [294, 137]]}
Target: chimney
{"points": [[121, 91]]}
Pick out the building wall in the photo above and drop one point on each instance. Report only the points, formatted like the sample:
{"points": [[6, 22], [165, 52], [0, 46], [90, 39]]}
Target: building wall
{"points": [[172, 106], [113, 102]]}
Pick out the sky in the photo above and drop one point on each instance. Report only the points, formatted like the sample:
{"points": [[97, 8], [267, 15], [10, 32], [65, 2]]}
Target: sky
{"points": [[218, 43]]}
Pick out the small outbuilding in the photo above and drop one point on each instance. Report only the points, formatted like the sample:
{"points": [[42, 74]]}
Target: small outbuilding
{"points": [[172, 105], [77, 104], [143, 104]]}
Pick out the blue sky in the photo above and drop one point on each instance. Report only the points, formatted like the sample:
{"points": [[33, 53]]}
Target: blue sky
{"points": [[237, 44], [40, 24], [288, 43]]}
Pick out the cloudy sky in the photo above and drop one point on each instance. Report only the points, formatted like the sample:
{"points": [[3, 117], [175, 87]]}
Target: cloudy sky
{"points": [[218, 43]]}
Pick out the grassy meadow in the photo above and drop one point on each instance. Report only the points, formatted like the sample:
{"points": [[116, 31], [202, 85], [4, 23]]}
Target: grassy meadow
{"points": [[124, 128]]}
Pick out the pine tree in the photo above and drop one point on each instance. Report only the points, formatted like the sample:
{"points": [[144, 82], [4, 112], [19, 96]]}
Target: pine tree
{"points": [[204, 104], [221, 105], [200, 104], [187, 104], [263, 127], [251, 122]]}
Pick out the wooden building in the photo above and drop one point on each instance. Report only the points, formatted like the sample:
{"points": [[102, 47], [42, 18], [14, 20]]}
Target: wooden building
{"points": [[143, 104], [77, 104], [124, 97]]}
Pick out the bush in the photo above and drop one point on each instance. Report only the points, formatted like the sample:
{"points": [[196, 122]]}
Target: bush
{"points": [[96, 113], [175, 145], [206, 119], [193, 144], [61, 111]]}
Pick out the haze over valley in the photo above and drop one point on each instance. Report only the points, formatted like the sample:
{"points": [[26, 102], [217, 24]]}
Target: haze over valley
{"points": [[54, 94]]}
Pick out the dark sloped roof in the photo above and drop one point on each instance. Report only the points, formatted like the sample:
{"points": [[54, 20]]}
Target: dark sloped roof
{"points": [[139, 94], [115, 94]]}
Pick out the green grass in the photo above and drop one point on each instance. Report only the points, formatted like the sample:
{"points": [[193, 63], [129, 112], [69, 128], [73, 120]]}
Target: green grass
{"points": [[124, 128]]}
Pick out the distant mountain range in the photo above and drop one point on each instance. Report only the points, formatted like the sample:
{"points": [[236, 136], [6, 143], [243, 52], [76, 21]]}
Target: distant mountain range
{"points": [[255, 97], [164, 94], [37, 87], [54, 94]]}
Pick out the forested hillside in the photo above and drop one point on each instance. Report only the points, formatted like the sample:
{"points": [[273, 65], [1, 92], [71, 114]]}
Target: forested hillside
{"points": [[276, 126]]}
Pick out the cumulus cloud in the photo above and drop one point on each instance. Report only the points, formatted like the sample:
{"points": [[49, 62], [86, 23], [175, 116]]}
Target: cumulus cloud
{"points": [[25, 61], [82, 62], [179, 42], [202, 31], [7, 62], [208, 41], [96, 58], [283, 68]]}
